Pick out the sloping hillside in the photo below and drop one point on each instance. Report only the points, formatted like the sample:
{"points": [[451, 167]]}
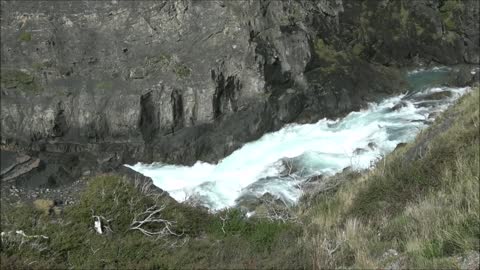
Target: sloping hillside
{"points": [[418, 208]]}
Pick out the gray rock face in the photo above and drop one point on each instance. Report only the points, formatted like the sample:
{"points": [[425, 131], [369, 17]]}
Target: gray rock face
{"points": [[17, 165], [178, 81]]}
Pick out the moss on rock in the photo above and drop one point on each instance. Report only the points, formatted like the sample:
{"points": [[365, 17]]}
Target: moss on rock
{"points": [[449, 11], [104, 85], [182, 71], [25, 36], [14, 78]]}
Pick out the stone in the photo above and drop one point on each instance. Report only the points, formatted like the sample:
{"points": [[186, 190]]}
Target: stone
{"points": [[435, 96], [470, 261], [398, 106], [57, 211], [433, 115], [137, 73], [399, 146], [390, 252], [359, 151]]}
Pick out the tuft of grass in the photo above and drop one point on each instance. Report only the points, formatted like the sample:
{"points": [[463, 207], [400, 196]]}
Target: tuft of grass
{"points": [[43, 205]]}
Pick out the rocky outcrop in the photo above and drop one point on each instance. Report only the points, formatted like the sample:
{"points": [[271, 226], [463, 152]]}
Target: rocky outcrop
{"points": [[114, 82], [17, 166]]}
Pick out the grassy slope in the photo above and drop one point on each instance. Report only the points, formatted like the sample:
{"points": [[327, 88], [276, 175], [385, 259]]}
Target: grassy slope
{"points": [[425, 208], [205, 243]]}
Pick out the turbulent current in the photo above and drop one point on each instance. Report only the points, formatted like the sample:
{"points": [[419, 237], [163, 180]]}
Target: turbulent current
{"points": [[323, 148]]}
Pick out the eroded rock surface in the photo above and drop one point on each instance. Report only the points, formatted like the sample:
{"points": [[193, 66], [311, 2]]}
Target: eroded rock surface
{"points": [[97, 84]]}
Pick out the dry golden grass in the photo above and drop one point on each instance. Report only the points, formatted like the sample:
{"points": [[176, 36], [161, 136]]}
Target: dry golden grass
{"points": [[43, 205], [426, 210]]}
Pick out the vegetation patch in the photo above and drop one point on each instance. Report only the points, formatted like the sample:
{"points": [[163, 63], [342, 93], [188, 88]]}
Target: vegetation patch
{"points": [[404, 16], [43, 205], [358, 49], [104, 85], [449, 12], [332, 60], [14, 78], [327, 52], [419, 29], [38, 66], [25, 36], [194, 238], [423, 207], [182, 71], [162, 60]]}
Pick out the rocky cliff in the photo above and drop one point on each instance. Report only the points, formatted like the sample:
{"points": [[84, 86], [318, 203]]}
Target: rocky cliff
{"points": [[87, 86]]}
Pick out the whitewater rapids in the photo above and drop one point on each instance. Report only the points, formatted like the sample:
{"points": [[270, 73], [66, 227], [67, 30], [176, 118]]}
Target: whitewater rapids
{"points": [[325, 147]]}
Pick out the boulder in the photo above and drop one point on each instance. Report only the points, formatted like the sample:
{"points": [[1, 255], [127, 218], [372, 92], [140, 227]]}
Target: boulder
{"points": [[372, 145], [398, 106], [359, 151]]}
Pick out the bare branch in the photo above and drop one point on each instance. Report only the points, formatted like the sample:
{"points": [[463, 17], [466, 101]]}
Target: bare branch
{"points": [[276, 212], [151, 216], [224, 219], [19, 237], [332, 246], [100, 223]]}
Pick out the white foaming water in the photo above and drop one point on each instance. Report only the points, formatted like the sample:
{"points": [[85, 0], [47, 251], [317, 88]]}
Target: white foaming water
{"points": [[325, 147], [433, 69]]}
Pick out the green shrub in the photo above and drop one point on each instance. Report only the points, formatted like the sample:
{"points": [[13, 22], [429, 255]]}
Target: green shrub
{"points": [[264, 234], [358, 49], [432, 249]]}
